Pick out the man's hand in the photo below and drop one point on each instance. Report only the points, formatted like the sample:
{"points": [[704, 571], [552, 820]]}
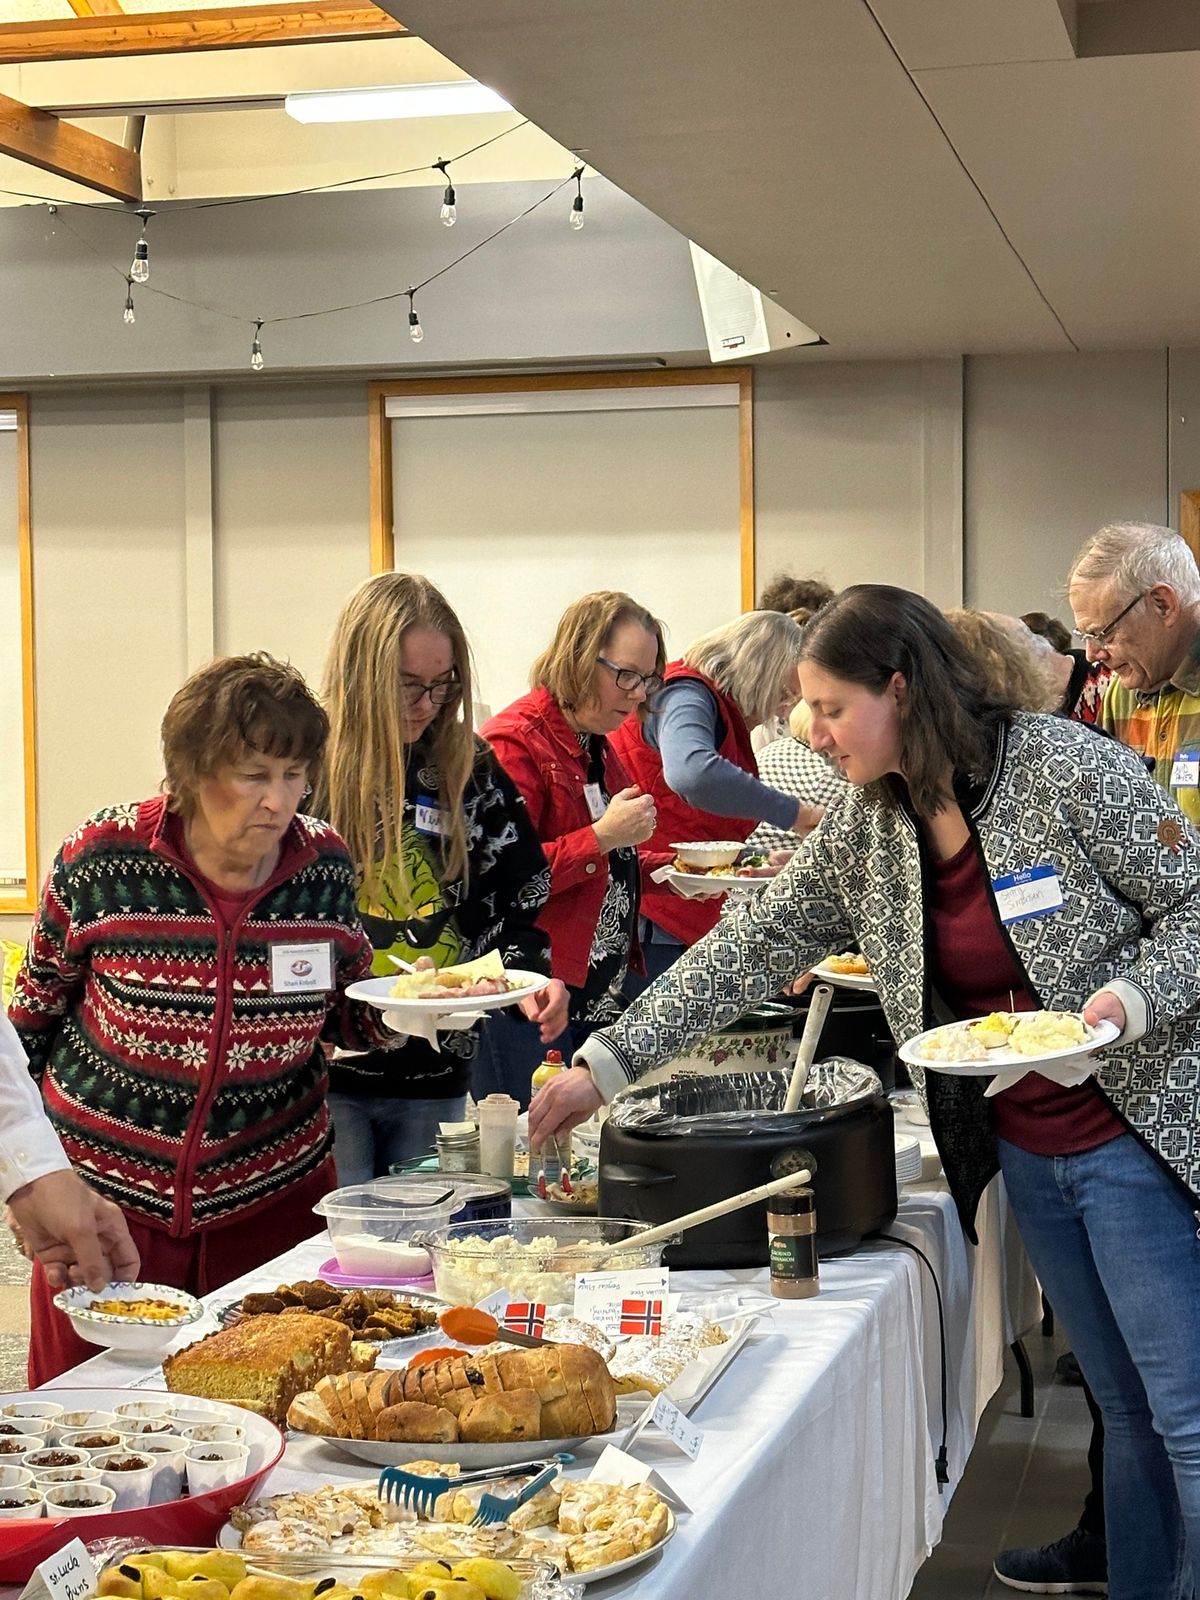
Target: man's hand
{"points": [[78, 1236], [560, 1105], [1104, 1007], [548, 1007]]}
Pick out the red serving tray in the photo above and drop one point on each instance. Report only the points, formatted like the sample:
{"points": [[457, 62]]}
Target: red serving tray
{"points": [[194, 1520]]}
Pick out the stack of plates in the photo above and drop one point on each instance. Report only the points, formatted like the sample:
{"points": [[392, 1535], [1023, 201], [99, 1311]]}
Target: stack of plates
{"points": [[908, 1158]]}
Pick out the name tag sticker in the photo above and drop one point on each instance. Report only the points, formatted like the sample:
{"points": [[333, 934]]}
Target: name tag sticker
{"points": [[1034, 892], [302, 968], [427, 816], [1185, 770], [596, 802]]}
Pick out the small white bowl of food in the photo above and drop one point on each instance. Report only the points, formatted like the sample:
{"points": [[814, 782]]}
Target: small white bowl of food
{"points": [[142, 1317], [704, 855]]}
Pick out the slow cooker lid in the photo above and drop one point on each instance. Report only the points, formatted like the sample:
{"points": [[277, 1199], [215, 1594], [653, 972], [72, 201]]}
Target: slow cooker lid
{"points": [[740, 1103]]}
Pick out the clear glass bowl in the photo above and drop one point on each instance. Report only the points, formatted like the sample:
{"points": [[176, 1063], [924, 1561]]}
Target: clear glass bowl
{"points": [[533, 1258]]}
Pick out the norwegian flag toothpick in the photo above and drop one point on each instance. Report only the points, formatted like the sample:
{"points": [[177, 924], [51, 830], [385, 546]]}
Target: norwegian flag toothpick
{"points": [[525, 1316], [641, 1316]]}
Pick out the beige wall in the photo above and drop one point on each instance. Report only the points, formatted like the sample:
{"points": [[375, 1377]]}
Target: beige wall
{"points": [[170, 521]]}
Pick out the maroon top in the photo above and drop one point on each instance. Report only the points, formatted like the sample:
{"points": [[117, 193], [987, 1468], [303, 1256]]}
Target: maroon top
{"points": [[977, 973]]}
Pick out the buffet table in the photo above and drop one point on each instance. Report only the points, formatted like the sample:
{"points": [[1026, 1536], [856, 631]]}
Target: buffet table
{"points": [[816, 1474]]}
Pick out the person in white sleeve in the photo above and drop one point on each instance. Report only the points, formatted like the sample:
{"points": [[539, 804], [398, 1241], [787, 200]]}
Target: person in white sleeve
{"points": [[77, 1235]]}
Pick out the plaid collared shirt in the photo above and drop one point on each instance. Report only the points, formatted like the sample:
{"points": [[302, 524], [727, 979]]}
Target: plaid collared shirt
{"points": [[1162, 727]]}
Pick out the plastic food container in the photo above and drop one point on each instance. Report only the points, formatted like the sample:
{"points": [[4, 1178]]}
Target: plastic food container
{"points": [[371, 1225], [533, 1259]]}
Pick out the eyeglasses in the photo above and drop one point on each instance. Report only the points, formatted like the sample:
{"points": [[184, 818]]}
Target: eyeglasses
{"points": [[444, 693], [1101, 636], [630, 681]]}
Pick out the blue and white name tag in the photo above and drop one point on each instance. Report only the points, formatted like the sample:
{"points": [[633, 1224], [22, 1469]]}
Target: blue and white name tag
{"points": [[1034, 892], [1185, 770], [596, 803], [427, 816]]}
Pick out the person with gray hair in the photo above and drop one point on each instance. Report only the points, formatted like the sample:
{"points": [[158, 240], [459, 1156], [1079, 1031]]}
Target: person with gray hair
{"points": [[693, 753], [1135, 591]]}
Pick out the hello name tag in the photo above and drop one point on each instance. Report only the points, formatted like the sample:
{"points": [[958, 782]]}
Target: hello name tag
{"points": [[427, 816], [1035, 892], [596, 803], [302, 968], [1185, 770]]}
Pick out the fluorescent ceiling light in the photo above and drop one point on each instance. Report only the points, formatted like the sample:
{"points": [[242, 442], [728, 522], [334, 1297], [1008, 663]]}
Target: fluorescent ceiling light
{"points": [[462, 99]]}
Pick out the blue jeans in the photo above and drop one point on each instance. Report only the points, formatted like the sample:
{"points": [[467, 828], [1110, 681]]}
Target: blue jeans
{"points": [[1113, 1240], [373, 1131], [509, 1050]]}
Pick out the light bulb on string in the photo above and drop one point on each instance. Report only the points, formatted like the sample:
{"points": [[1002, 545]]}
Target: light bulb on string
{"points": [[256, 355], [449, 211], [576, 214], [415, 331], [127, 316], [139, 270]]}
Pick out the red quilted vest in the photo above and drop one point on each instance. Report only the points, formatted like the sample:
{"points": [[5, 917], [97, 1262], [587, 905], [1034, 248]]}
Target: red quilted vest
{"points": [[679, 822]]}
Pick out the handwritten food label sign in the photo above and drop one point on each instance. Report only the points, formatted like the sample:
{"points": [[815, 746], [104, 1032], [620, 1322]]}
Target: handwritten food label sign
{"points": [[68, 1575], [599, 1296]]}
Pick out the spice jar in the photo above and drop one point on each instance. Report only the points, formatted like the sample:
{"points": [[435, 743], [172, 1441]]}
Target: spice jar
{"points": [[458, 1152], [792, 1231]]}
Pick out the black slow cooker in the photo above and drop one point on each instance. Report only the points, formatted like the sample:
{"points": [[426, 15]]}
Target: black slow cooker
{"points": [[676, 1146]]}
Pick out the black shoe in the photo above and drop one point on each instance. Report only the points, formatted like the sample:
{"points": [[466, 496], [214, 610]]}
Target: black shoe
{"points": [[1077, 1564], [1066, 1368]]}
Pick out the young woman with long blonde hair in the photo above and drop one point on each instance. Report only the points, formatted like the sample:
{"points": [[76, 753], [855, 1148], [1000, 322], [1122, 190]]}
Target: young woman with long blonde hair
{"points": [[448, 862]]}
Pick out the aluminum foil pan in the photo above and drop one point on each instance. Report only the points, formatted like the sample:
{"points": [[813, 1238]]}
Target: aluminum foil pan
{"points": [[745, 1102]]}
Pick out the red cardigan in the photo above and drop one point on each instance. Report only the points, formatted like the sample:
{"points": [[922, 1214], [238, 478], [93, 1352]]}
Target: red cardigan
{"points": [[537, 747], [679, 822]]}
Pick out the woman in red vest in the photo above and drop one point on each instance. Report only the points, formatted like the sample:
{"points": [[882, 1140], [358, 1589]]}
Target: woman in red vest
{"points": [[693, 754], [605, 660]]}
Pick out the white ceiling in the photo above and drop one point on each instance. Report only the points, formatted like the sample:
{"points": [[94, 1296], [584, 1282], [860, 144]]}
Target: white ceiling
{"points": [[910, 177]]}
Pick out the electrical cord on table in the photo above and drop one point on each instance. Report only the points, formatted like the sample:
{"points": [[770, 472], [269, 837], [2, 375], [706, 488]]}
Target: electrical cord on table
{"points": [[941, 1465]]}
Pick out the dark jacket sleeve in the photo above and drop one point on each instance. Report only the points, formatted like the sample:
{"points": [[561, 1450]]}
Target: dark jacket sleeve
{"points": [[509, 880], [51, 976]]}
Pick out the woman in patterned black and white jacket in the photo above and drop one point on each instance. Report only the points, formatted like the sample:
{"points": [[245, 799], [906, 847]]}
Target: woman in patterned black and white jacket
{"points": [[949, 794]]}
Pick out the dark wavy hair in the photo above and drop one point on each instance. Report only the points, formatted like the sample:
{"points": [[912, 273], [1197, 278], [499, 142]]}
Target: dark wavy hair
{"points": [[949, 718]]}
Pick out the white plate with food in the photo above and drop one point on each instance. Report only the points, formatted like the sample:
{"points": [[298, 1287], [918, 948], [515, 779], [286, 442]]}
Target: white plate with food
{"points": [[1006, 1041], [141, 1317], [380, 992], [846, 971], [512, 1453], [700, 885]]}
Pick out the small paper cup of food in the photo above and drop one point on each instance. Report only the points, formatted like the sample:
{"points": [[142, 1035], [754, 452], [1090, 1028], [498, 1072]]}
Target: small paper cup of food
{"points": [[214, 1432], [129, 1474], [94, 1440], [213, 1465], [707, 853], [56, 1477], [9, 1426], [167, 1451], [145, 1410], [14, 1447], [49, 1410], [55, 1455], [138, 1428], [78, 1500], [16, 1478], [156, 1312], [74, 1421], [26, 1502]]}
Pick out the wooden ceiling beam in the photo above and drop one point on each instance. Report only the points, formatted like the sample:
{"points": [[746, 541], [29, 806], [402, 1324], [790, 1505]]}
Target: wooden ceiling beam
{"points": [[164, 32], [45, 141]]}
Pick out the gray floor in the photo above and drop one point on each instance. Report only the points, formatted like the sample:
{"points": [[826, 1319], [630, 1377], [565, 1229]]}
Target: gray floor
{"points": [[14, 1314], [1024, 1484]]}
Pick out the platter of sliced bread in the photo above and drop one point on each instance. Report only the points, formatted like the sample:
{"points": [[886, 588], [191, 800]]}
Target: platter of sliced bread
{"points": [[479, 1410]]}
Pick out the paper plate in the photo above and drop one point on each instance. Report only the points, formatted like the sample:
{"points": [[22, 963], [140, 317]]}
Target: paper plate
{"points": [[377, 992], [394, 1453], [709, 886], [862, 981], [1003, 1059]]}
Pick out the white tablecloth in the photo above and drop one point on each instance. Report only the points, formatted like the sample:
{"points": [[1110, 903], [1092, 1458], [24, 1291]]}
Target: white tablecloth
{"points": [[816, 1474]]}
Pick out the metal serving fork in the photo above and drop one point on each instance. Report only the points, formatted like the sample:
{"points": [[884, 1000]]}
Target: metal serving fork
{"points": [[419, 1492]]}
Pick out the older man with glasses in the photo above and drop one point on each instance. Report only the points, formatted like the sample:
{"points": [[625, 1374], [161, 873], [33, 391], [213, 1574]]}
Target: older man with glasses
{"points": [[1135, 591]]}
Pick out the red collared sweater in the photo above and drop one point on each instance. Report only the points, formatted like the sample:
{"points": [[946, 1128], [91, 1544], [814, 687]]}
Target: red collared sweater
{"points": [[180, 1085]]}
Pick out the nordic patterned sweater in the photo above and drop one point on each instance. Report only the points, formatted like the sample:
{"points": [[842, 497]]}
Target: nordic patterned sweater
{"points": [[180, 1085], [1128, 864]]}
